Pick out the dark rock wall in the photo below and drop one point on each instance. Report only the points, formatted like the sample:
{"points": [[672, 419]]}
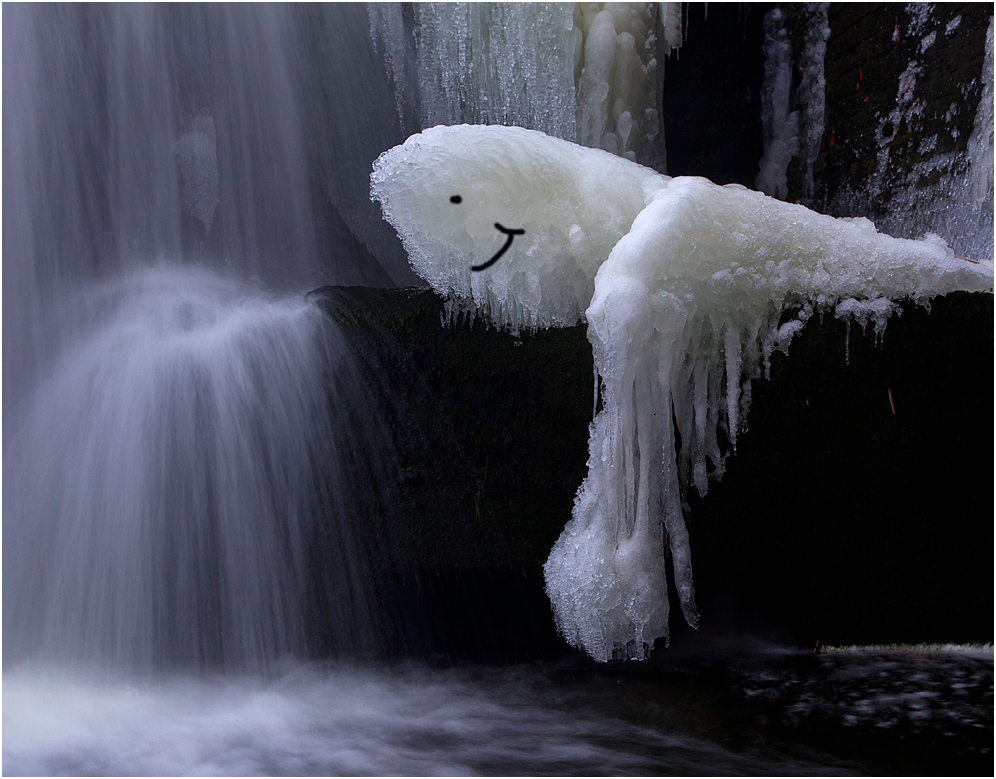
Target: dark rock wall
{"points": [[851, 509], [712, 94], [489, 444], [903, 82], [838, 521]]}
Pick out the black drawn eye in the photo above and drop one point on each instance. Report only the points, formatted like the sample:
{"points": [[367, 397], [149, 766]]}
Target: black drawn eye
{"points": [[456, 199]]}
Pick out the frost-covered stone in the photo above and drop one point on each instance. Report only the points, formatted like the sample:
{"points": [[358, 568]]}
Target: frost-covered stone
{"points": [[682, 283], [980, 144]]}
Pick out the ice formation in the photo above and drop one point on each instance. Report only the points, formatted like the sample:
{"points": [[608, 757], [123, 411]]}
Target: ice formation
{"points": [[481, 62], [683, 284], [617, 80], [980, 143], [781, 126], [521, 179], [792, 133], [585, 72], [812, 92]]}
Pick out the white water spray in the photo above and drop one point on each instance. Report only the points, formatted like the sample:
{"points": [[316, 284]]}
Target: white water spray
{"points": [[168, 480]]}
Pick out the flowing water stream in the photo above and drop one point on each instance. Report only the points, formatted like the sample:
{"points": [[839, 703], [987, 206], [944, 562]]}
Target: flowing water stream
{"points": [[767, 711]]}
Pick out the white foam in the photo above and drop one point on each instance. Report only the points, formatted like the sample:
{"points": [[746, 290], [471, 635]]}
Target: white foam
{"points": [[682, 283], [981, 651], [340, 720]]}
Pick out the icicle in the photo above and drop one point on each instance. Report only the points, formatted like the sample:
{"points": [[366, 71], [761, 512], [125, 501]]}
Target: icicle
{"points": [[781, 126]]}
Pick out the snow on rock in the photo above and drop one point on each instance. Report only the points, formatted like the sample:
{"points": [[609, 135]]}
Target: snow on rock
{"points": [[521, 179], [682, 283]]}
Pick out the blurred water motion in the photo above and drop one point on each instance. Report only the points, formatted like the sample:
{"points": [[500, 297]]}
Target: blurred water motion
{"points": [[780, 713]]}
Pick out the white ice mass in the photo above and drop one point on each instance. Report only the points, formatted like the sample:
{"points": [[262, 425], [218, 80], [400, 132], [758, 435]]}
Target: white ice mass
{"points": [[683, 284]]}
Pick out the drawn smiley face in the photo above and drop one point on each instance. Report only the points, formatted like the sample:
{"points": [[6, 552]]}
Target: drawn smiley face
{"points": [[510, 232]]}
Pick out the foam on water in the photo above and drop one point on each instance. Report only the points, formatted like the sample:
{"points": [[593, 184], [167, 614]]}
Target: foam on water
{"points": [[714, 711], [350, 721], [981, 651], [683, 284]]}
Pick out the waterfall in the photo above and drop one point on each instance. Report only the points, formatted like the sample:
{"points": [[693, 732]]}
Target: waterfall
{"points": [[164, 483], [182, 431], [177, 488], [177, 176], [184, 437], [235, 136]]}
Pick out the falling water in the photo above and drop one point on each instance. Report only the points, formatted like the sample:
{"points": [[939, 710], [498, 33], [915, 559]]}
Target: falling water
{"points": [[177, 419], [239, 137], [166, 482]]}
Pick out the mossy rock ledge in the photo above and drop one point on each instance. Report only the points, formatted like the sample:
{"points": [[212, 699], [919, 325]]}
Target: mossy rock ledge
{"points": [[857, 508]]}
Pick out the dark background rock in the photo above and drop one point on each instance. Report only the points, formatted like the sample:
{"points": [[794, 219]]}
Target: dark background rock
{"points": [[712, 107], [853, 523], [489, 437], [837, 521], [712, 100]]}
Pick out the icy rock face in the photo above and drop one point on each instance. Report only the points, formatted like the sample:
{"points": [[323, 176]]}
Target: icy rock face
{"points": [[781, 127], [941, 184], [812, 92], [588, 72], [682, 283], [617, 76], [504, 63], [980, 144], [798, 133]]}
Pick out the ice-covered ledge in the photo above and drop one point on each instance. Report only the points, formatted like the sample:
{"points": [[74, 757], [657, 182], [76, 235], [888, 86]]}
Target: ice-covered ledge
{"points": [[683, 283]]}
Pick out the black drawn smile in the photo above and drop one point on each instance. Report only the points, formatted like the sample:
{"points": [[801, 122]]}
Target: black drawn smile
{"points": [[511, 233]]}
